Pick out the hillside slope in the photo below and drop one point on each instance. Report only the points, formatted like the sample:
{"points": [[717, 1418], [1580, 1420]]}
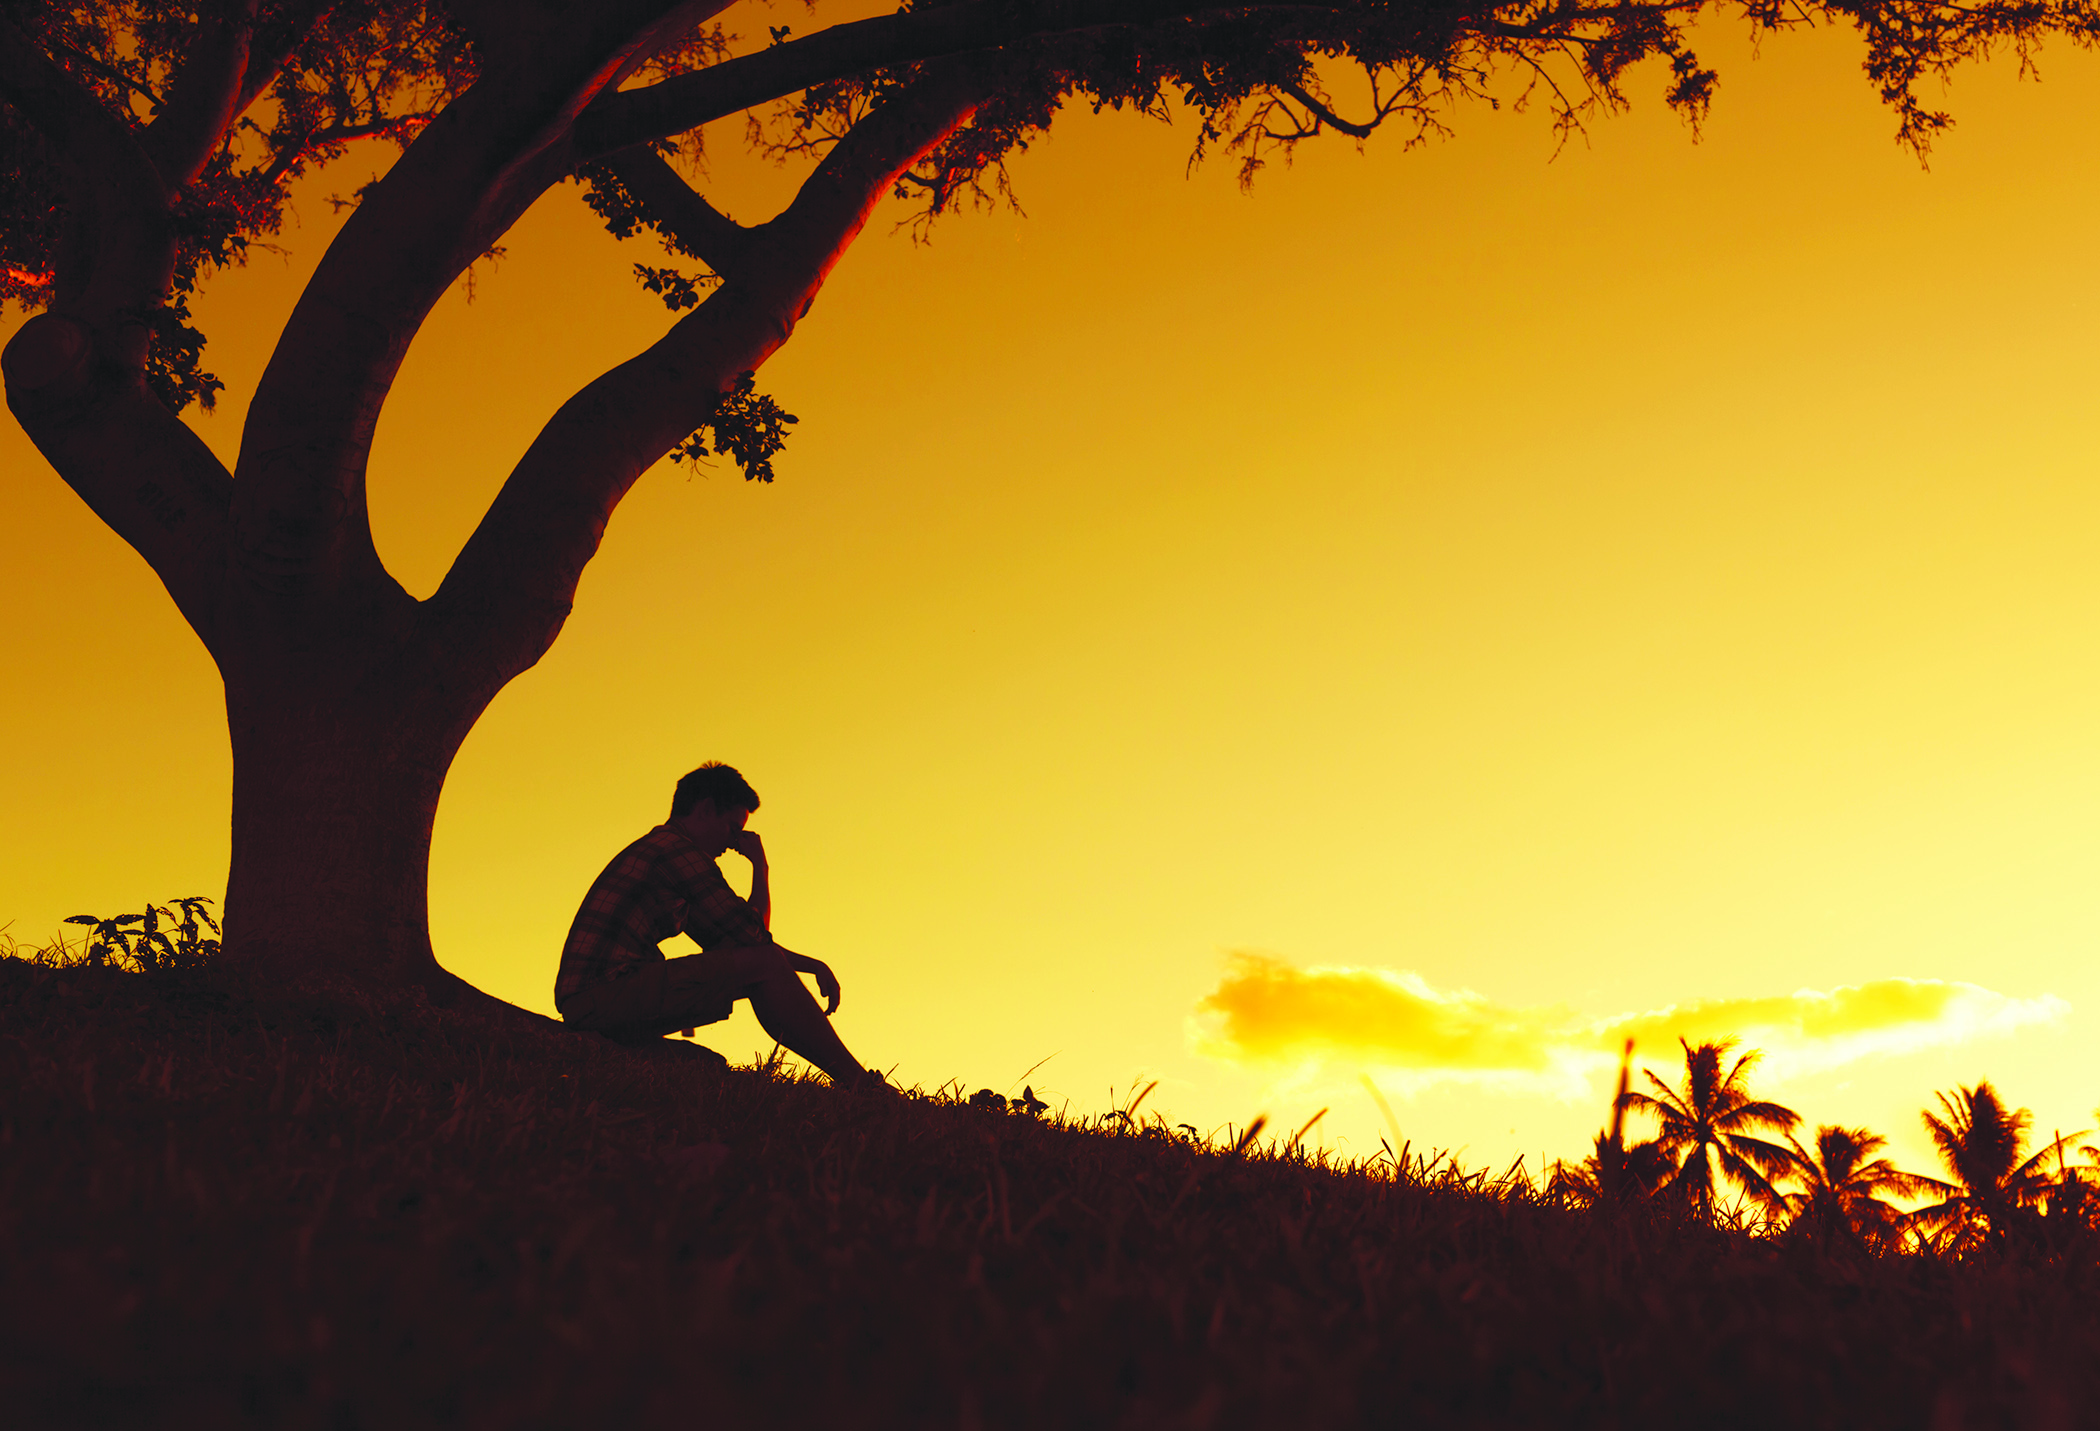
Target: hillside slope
{"points": [[223, 1206]]}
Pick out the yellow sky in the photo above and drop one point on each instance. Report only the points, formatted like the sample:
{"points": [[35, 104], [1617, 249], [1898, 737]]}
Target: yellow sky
{"points": [[1656, 576]]}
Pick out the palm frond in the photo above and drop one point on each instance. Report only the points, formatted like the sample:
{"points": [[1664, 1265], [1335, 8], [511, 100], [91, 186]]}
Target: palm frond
{"points": [[1769, 1158], [1750, 1179], [1774, 1116]]}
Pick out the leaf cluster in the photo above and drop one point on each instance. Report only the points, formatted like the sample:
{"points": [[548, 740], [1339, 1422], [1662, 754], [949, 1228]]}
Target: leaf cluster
{"points": [[159, 939], [1914, 41], [625, 214], [1992, 1191], [1708, 1127], [359, 69], [1028, 1103], [747, 426], [1258, 79]]}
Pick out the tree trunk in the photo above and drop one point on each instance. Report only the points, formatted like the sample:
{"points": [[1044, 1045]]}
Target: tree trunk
{"points": [[335, 790], [346, 698]]}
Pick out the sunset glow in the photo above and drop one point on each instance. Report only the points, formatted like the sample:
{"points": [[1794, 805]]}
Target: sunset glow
{"points": [[1536, 595], [1268, 1014]]}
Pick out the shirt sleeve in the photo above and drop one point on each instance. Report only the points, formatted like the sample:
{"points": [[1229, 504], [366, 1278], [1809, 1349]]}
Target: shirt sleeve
{"points": [[715, 915]]}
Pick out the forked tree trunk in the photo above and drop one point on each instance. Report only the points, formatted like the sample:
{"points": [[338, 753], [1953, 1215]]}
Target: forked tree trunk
{"points": [[345, 716], [347, 699]]}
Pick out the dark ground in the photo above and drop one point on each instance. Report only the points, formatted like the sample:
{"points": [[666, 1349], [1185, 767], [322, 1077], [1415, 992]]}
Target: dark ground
{"points": [[227, 1207]]}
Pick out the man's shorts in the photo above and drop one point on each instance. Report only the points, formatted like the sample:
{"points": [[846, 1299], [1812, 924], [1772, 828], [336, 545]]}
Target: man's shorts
{"points": [[657, 999]]}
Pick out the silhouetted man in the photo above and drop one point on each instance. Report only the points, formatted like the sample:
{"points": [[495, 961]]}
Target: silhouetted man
{"points": [[616, 981]]}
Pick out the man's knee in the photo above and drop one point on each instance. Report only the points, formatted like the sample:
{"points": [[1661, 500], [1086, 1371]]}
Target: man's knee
{"points": [[756, 963]]}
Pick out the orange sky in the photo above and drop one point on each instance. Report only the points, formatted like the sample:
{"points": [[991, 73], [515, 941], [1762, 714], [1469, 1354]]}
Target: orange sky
{"points": [[1654, 576]]}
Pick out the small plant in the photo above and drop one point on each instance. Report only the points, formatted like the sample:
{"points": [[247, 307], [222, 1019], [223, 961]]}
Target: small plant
{"points": [[1027, 1103], [162, 938]]}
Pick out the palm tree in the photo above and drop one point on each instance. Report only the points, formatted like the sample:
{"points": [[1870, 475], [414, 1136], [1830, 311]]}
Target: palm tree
{"points": [[1990, 1188], [1613, 1173], [1707, 1127], [1840, 1198]]}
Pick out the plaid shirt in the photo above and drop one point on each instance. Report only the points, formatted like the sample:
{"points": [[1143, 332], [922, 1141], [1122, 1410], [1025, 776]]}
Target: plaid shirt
{"points": [[657, 886]]}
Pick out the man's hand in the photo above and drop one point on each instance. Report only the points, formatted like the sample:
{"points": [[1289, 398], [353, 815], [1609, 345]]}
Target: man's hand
{"points": [[827, 982], [751, 847]]}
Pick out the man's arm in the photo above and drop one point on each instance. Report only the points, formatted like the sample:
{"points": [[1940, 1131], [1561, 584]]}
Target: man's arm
{"points": [[827, 982], [751, 847]]}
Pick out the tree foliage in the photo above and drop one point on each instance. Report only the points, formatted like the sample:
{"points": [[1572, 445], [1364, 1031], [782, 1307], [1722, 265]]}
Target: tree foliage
{"points": [[1613, 1175], [1991, 1190], [1259, 80], [366, 69], [1708, 1128], [1843, 1192]]}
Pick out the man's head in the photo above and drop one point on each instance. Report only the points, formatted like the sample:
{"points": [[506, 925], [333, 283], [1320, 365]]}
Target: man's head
{"points": [[711, 804]]}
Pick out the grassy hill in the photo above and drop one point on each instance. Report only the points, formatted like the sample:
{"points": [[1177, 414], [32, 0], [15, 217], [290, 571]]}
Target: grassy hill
{"points": [[225, 1206]]}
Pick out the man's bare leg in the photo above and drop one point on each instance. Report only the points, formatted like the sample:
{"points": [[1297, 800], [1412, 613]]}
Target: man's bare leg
{"points": [[787, 1012]]}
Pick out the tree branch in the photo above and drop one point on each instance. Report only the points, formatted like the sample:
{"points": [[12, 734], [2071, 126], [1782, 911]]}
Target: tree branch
{"points": [[268, 51], [75, 374], [125, 243], [305, 144], [687, 101], [137, 465], [110, 73], [1323, 114], [300, 517], [675, 207], [510, 590], [1562, 21], [204, 97]]}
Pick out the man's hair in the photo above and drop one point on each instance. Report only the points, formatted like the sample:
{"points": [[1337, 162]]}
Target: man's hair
{"points": [[718, 785]]}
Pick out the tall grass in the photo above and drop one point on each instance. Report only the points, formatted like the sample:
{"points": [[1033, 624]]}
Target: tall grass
{"points": [[226, 1205]]}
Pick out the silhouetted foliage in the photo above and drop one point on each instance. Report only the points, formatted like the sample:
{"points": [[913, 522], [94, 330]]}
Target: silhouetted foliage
{"points": [[992, 1102], [1841, 1200], [366, 69], [159, 939], [1258, 78], [748, 426], [1707, 1129], [1613, 1175], [1991, 1193]]}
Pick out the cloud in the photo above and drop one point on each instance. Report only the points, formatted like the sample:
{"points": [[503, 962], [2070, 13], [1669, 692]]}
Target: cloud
{"points": [[1813, 1029], [1268, 1010], [1274, 1015], [1268, 1013]]}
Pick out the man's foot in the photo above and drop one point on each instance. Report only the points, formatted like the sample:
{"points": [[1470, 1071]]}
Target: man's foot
{"points": [[870, 1084]]}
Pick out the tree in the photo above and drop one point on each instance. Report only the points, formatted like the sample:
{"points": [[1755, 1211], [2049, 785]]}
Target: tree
{"points": [[1708, 1127], [144, 146], [1841, 1198], [1613, 1174], [1991, 1191]]}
